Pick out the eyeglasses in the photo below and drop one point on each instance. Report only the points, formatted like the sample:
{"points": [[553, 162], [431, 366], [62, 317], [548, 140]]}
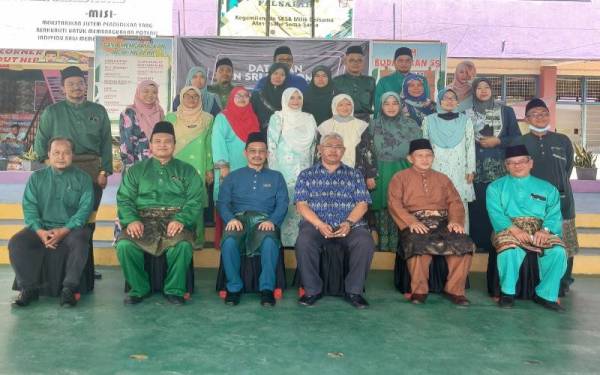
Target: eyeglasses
{"points": [[242, 96], [257, 151], [538, 115], [450, 98], [336, 148], [75, 84], [518, 162]]}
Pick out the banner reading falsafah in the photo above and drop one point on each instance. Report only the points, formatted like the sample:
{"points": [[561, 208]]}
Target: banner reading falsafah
{"points": [[429, 59], [72, 25], [288, 18], [121, 63]]}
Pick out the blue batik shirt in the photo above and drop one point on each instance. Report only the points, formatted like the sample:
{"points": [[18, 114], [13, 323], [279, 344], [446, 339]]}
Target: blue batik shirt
{"points": [[332, 196]]}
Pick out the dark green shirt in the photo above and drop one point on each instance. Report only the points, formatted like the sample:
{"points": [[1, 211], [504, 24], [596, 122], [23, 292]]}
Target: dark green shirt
{"points": [[552, 156], [360, 88], [149, 184], [222, 92], [86, 124], [56, 199]]}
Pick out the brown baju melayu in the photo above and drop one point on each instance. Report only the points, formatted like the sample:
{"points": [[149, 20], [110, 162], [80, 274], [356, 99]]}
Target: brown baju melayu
{"points": [[430, 197]]}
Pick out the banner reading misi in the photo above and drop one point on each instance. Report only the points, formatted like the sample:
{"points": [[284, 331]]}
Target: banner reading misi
{"points": [[252, 57]]}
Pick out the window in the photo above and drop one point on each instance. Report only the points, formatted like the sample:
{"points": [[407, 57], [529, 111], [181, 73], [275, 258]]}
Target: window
{"points": [[569, 90], [520, 88], [593, 90]]}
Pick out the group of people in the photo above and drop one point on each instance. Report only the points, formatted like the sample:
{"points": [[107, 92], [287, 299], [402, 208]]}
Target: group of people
{"points": [[339, 160]]}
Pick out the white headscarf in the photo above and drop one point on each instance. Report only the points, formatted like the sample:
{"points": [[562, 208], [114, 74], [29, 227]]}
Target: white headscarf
{"points": [[298, 128], [349, 127]]}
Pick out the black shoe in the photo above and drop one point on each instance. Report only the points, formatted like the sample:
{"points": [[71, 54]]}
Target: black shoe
{"points": [[307, 300], [132, 300], [554, 306], [175, 300], [67, 297], [356, 300], [506, 301], [233, 298], [97, 275], [267, 298], [26, 297]]}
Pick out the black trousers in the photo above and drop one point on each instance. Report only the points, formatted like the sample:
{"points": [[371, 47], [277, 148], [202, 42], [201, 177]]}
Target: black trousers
{"points": [[28, 254], [309, 245]]}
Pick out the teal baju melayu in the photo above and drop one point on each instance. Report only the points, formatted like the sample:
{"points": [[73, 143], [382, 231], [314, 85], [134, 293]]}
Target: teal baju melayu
{"points": [[511, 201]]}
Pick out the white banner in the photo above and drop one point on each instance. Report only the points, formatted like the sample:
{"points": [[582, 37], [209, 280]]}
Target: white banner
{"points": [[73, 24]]}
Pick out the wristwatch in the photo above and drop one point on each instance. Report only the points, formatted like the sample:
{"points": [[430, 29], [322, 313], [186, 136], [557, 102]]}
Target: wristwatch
{"points": [[349, 222]]}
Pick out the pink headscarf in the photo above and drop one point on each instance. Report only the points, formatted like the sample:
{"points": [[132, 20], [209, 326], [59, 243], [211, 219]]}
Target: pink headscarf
{"points": [[463, 89], [147, 115]]}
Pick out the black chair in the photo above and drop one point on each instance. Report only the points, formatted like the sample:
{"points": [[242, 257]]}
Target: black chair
{"points": [[333, 268], [250, 268], [529, 276]]}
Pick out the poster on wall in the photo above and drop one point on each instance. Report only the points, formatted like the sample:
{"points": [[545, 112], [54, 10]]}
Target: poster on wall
{"points": [[18, 59], [429, 59], [120, 63], [291, 18], [72, 25], [252, 57]]}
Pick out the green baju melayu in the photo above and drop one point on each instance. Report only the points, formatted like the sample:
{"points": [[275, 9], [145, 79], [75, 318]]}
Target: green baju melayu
{"points": [[530, 204], [86, 124], [393, 83], [222, 91], [361, 89], [156, 194]]}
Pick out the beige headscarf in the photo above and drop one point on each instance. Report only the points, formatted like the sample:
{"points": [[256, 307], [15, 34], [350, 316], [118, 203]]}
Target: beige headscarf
{"points": [[349, 127], [191, 122], [463, 89]]}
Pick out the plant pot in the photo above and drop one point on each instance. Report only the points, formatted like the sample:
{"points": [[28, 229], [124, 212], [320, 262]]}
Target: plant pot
{"points": [[3, 164], [586, 173]]}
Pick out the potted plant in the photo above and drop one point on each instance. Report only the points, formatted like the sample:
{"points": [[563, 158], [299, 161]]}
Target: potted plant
{"points": [[585, 163], [29, 161]]}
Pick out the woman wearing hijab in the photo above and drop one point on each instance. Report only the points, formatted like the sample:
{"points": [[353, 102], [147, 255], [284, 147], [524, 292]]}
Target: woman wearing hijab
{"points": [[453, 140], [318, 97], [392, 133], [193, 131], [291, 141], [357, 140], [461, 85], [137, 122], [197, 77], [268, 100], [496, 128], [416, 103]]}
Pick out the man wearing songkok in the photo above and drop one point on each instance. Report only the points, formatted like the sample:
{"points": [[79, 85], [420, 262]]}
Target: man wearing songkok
{"points": [[224, 75], [354, 83], [332, 199], [85, 123], [283, 54], [403, 61], [429, 212], [552, 155], [56, 205], [253, 202], [158, 203], [525, 214]]}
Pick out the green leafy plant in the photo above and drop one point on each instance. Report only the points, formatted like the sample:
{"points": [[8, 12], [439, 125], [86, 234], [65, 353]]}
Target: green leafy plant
{"points": [[29, 155], [584, 158]]}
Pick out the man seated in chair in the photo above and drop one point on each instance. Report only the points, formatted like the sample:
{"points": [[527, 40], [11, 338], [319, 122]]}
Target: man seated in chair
{"points": [[526, 216], [430, 214], [253, 202], [158, 203], [56, 205], [332, 199]]}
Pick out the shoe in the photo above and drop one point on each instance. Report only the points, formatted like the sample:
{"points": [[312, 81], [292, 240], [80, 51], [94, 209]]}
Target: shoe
{"points": [[307, 300], [418, 299], [267, 298], [233, 298], [67, 297], [554, 306], [97, 275], [506, 301], [175, 300], [26, 297], [132, 300], [356, 300], [458, 300]]}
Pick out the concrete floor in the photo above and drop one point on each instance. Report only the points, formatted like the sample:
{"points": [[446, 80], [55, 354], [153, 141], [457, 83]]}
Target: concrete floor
{"points": [[207, 337]]}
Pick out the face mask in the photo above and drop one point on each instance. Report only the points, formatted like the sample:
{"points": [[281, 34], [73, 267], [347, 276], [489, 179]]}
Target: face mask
{"points": [[539, 130]]}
